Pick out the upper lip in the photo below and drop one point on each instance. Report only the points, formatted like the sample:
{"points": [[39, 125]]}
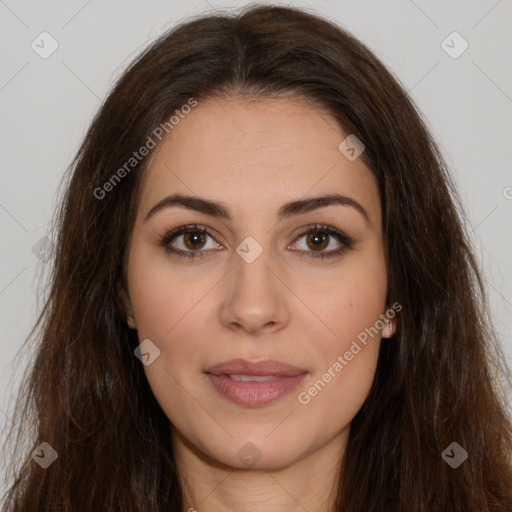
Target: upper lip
{"points": [[257, 368]]}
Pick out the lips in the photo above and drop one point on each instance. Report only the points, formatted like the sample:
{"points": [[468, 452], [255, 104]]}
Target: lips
{"points": [[254, 383]]}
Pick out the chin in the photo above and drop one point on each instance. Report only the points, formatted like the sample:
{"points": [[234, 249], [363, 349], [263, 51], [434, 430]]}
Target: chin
{"points": [[259, 451]]}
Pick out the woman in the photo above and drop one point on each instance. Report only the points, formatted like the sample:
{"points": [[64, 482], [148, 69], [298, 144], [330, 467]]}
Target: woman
{"points": [[262, 297]]}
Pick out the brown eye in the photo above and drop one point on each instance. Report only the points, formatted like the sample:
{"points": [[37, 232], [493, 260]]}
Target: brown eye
{"points": [[194, 240], [190, 241], [317, 241]]}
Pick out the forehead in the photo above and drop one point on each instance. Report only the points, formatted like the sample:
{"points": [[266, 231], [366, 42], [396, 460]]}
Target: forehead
{"points": [[253, 152]]}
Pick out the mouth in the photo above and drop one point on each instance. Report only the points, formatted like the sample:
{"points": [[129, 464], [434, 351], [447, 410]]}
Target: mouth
{"points": [[254, 383]]}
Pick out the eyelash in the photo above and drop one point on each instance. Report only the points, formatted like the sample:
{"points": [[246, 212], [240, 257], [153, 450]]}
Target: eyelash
{"points": [[346, 241]]}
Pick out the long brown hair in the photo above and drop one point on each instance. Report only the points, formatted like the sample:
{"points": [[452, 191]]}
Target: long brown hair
{"points": [[437, 378]]}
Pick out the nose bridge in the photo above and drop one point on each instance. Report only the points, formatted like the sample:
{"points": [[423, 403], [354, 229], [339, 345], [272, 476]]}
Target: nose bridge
{"points": [[255, 296]]}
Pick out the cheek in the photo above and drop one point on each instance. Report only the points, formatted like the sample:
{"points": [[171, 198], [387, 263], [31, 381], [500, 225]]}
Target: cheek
{"points": [[173, 308], [350, 306], [162, 296], [350, 301], [346, 362]]}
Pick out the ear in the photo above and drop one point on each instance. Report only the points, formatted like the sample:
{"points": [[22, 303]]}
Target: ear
{"points": [[389, 327], [127, 305]]}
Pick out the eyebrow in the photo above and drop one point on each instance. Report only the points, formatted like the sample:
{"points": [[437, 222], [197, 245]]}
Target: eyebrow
{"points": [[219, 210]]}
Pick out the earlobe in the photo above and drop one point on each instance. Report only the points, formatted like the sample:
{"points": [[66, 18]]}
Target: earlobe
{"points": [[131, 322], [389, 328], [127, 306]]}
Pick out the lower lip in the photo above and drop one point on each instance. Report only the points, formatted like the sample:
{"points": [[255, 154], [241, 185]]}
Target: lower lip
{"points": [[254, 393]]}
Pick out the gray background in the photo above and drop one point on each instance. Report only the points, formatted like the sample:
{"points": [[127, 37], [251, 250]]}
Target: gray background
{"points": [[47, 104]]}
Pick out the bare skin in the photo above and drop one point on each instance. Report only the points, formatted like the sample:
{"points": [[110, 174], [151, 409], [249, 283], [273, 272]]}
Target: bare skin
{"points": [[255, 156]]}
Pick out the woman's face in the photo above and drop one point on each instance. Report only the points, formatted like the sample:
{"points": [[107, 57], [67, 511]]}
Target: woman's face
{"points": [[257, 290]]}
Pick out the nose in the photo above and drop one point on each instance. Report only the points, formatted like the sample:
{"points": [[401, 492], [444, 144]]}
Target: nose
{"points": [[256, 300]]}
